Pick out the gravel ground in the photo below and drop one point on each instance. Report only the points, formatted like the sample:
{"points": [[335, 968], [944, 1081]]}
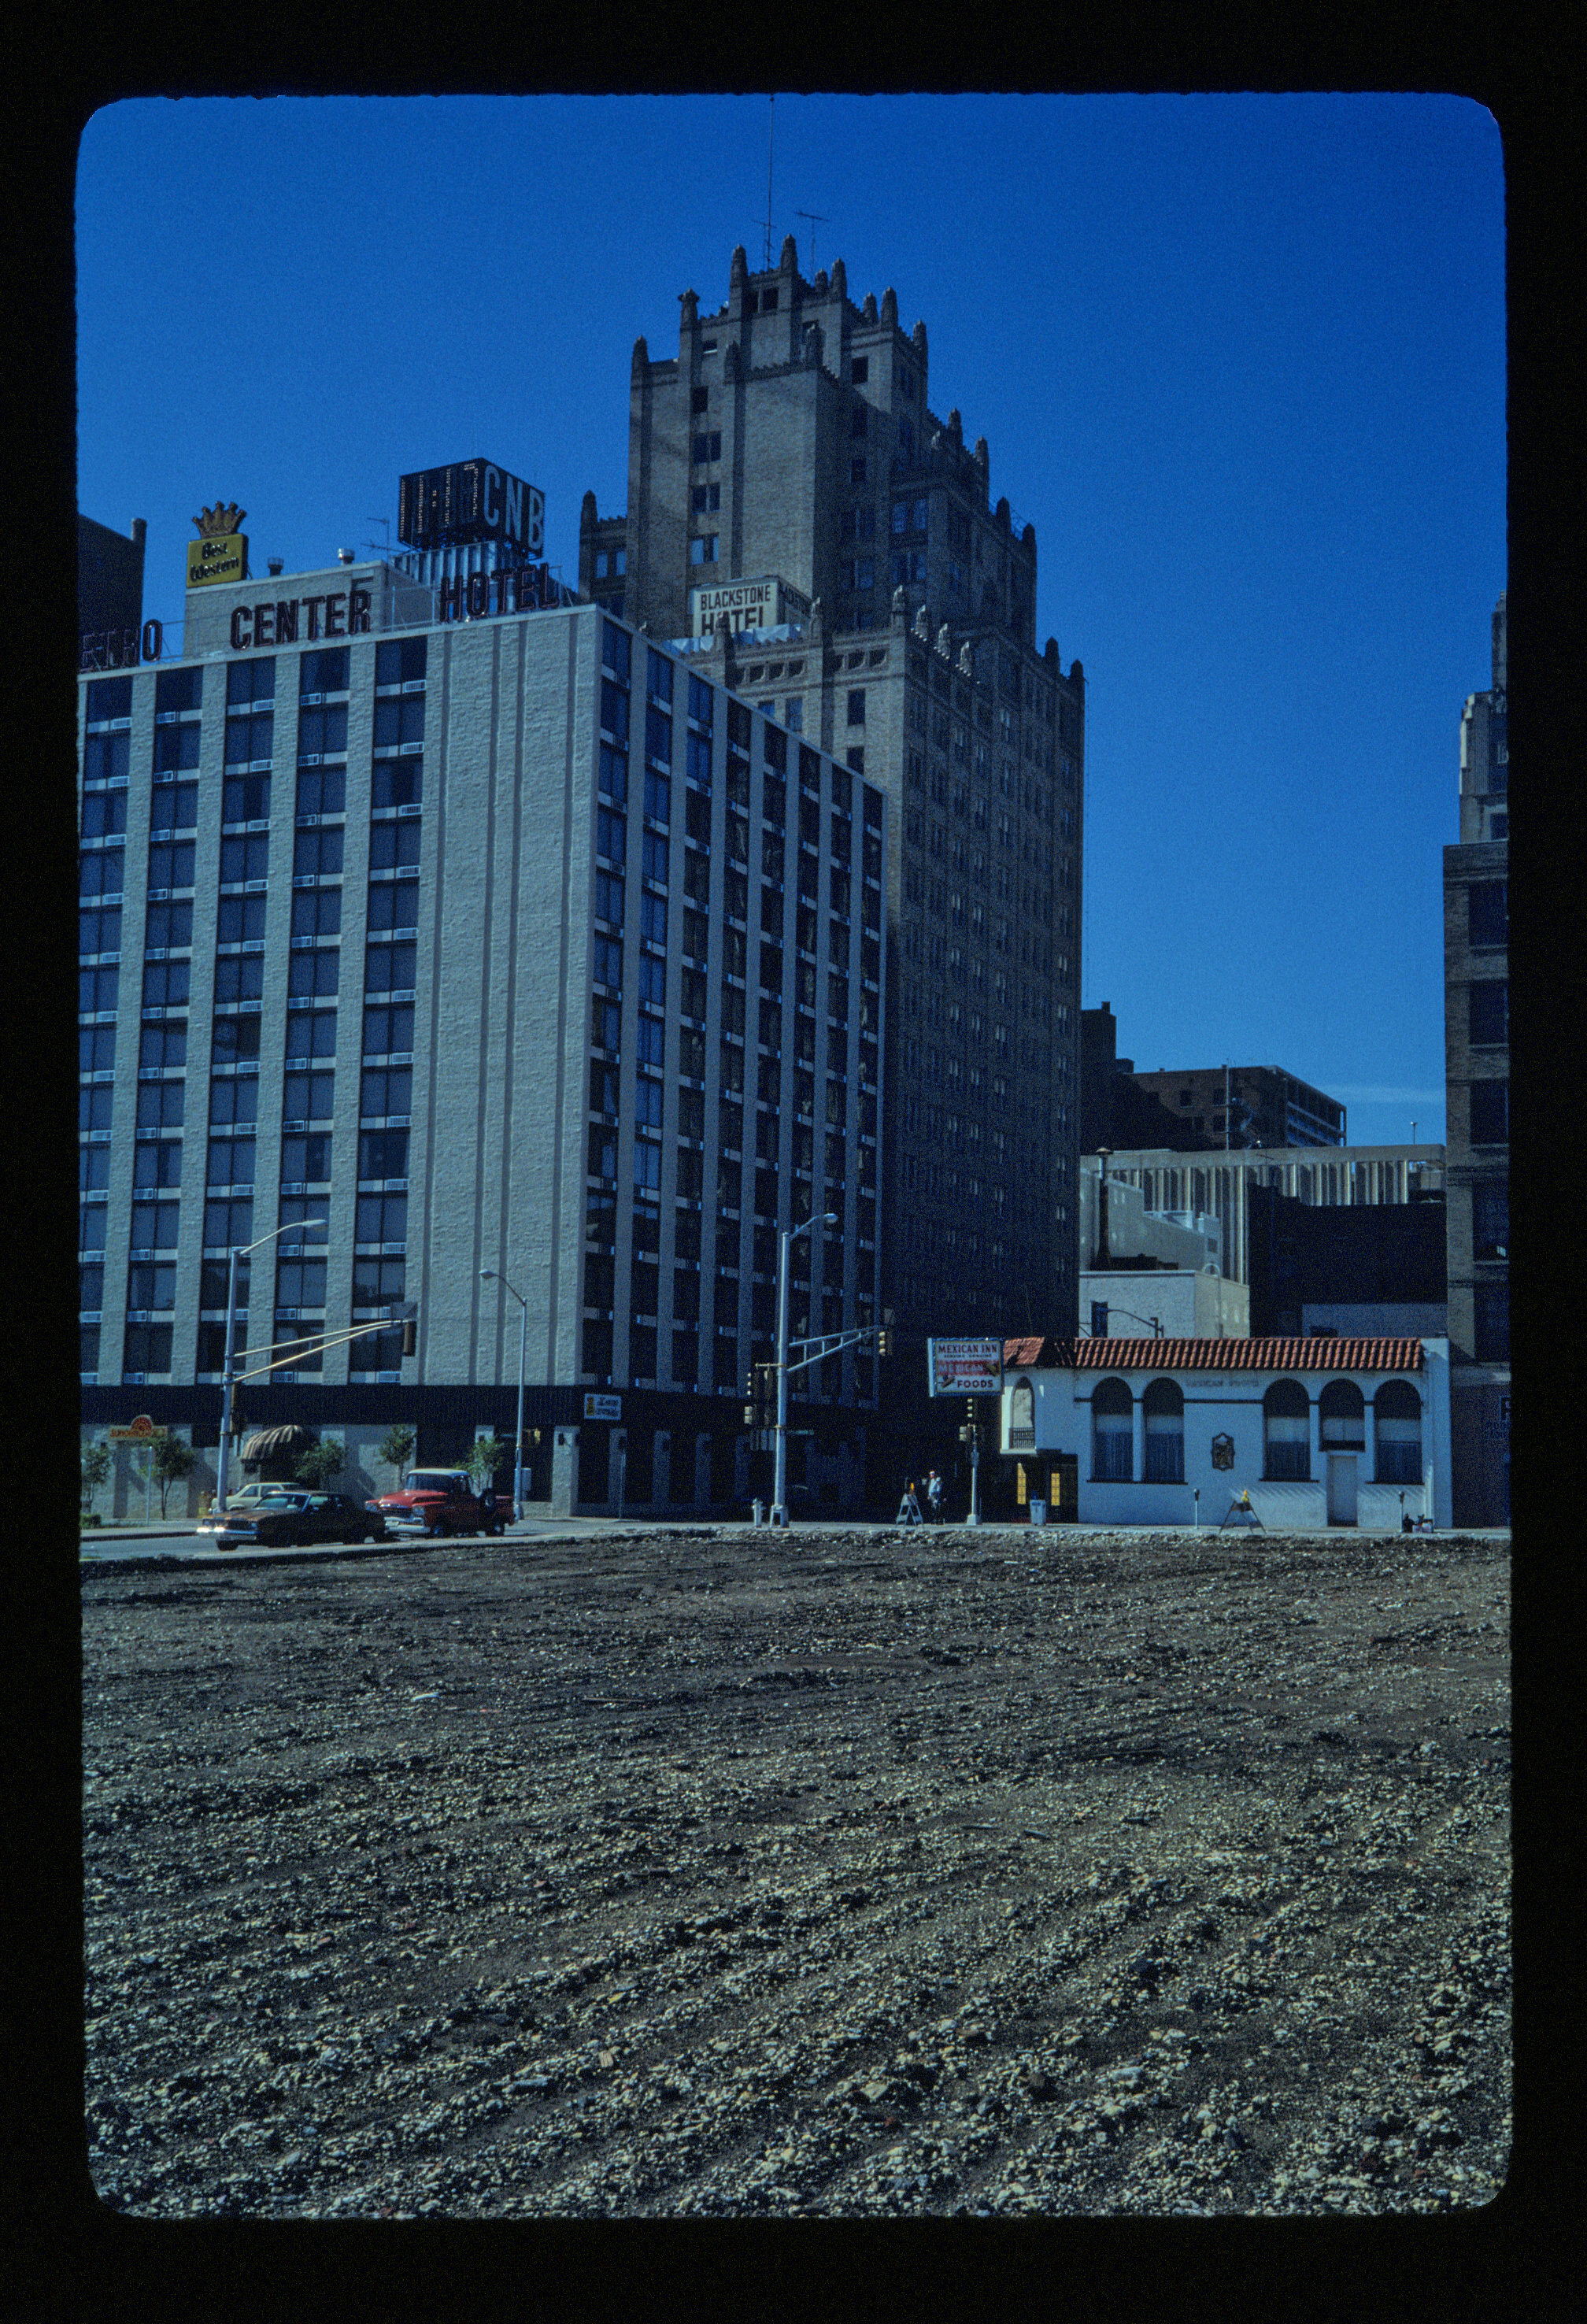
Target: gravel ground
{"points": [[821, 1874]]}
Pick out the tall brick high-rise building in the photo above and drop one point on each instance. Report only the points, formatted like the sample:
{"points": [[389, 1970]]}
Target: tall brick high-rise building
{"points": [[1476, 1043], [827, 547]]}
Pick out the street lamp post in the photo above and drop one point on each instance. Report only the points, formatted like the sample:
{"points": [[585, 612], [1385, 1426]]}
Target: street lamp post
{"points": [[228, 1368], [489, 1275], [785, 1241]]}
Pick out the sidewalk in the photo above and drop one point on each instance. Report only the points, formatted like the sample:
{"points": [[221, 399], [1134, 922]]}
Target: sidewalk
{"points": [[175, 1543]]}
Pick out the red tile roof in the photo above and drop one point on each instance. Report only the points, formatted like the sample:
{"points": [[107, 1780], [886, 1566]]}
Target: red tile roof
{"points": [[1292, 1355]]}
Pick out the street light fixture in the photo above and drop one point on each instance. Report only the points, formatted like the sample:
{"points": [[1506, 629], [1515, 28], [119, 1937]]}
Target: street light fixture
{"points": [[228, 1368], [785, 1240], [490, 1275]]}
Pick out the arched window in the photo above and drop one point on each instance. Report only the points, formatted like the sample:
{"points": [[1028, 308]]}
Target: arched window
{"points": [[1022, 1418], [1343, 1410], [1398, 1410], [1163, 1406], [1286, 1432], [1111, 1426]]}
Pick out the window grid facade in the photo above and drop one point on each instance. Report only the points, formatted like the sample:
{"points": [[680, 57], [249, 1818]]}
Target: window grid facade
{"points": [[722, 993]]}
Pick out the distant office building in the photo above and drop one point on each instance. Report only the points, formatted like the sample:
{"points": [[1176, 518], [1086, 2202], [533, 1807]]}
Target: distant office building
{"points": [[1245, 1106], [511, 943], [1145, 1272], [1372, 1270], [1189, 1186], [802, 523], [1129, 1234], [110, 594], [1114, 1111], [1476, 1046], [1202, 1110]]}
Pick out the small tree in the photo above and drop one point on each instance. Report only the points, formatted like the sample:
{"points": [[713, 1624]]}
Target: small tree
{"points": [[174, 1462], [96, 1467], [396, 1449], [318, 1464], [485, 1458]]}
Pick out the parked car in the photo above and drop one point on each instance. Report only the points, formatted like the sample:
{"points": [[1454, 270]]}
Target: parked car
{"points": [[434, 1501], [281, 1518], [248, 1497]]}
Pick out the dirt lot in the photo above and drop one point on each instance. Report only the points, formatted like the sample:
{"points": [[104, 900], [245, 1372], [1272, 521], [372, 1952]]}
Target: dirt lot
{"points": [[820, 1873]]}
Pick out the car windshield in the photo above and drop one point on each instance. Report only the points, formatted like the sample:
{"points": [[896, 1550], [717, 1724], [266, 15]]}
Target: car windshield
{"points": [[429, 1481]]}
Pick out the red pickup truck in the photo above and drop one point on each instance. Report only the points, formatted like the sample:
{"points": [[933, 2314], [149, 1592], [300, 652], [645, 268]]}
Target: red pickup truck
{"points": [[435, 1502]]}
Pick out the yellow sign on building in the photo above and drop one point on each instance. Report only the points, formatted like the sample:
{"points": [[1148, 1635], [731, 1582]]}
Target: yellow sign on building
{"points": [[217, 558]]}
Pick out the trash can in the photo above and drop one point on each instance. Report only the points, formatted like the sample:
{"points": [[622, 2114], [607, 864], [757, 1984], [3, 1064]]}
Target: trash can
{"points": [[1039, 1513], [759, 1509]]}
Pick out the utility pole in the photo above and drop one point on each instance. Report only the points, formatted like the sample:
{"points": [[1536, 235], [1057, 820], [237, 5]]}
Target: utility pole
{"points": [[491, 1275], [971, 1432], [779, 1489], [229, 1363]]}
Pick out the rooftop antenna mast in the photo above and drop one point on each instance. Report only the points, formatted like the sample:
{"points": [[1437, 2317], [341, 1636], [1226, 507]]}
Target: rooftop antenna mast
{"points": [[816, 217], [771, 123]]}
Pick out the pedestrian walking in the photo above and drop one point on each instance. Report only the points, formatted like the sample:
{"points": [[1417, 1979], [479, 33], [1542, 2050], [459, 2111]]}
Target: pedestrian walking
{"points": [[908, 1507], [934, 1496]]}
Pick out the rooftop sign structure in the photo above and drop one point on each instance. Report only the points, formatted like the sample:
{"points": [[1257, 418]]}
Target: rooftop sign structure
{"points": [[220, 553], [472, 499]]}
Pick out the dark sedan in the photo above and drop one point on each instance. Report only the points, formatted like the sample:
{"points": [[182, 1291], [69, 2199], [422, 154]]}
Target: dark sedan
{"points": [[296, 1521]]}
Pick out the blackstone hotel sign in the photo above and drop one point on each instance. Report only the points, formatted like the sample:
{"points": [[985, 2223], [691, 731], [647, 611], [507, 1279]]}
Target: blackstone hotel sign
{"points": [[764, 602]]}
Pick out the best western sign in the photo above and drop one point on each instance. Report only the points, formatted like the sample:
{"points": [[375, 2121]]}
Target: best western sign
{"points": [[470, 500], [213, 559]]}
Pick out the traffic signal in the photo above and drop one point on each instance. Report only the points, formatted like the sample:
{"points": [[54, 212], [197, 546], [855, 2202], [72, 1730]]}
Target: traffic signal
{"points": [[884, 1342], [410, 1335], [761, 1392]]}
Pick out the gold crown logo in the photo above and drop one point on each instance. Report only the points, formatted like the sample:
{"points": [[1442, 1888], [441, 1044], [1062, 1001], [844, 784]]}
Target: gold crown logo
{"points": [[215, 523]]}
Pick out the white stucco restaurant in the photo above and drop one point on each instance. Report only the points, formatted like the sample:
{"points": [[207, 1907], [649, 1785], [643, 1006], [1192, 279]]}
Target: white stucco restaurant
{"points": [[1319, 1431]]}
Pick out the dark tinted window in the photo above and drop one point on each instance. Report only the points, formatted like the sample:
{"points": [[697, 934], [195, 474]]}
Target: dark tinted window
{"points": [[1489, 909]]}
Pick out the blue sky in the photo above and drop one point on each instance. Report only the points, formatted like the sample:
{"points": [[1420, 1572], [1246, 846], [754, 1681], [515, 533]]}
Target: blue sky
{"points": [[1240, 360]]}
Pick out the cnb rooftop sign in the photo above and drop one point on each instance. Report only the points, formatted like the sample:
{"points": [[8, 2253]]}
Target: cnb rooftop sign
{"points": [[472, 499]]}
